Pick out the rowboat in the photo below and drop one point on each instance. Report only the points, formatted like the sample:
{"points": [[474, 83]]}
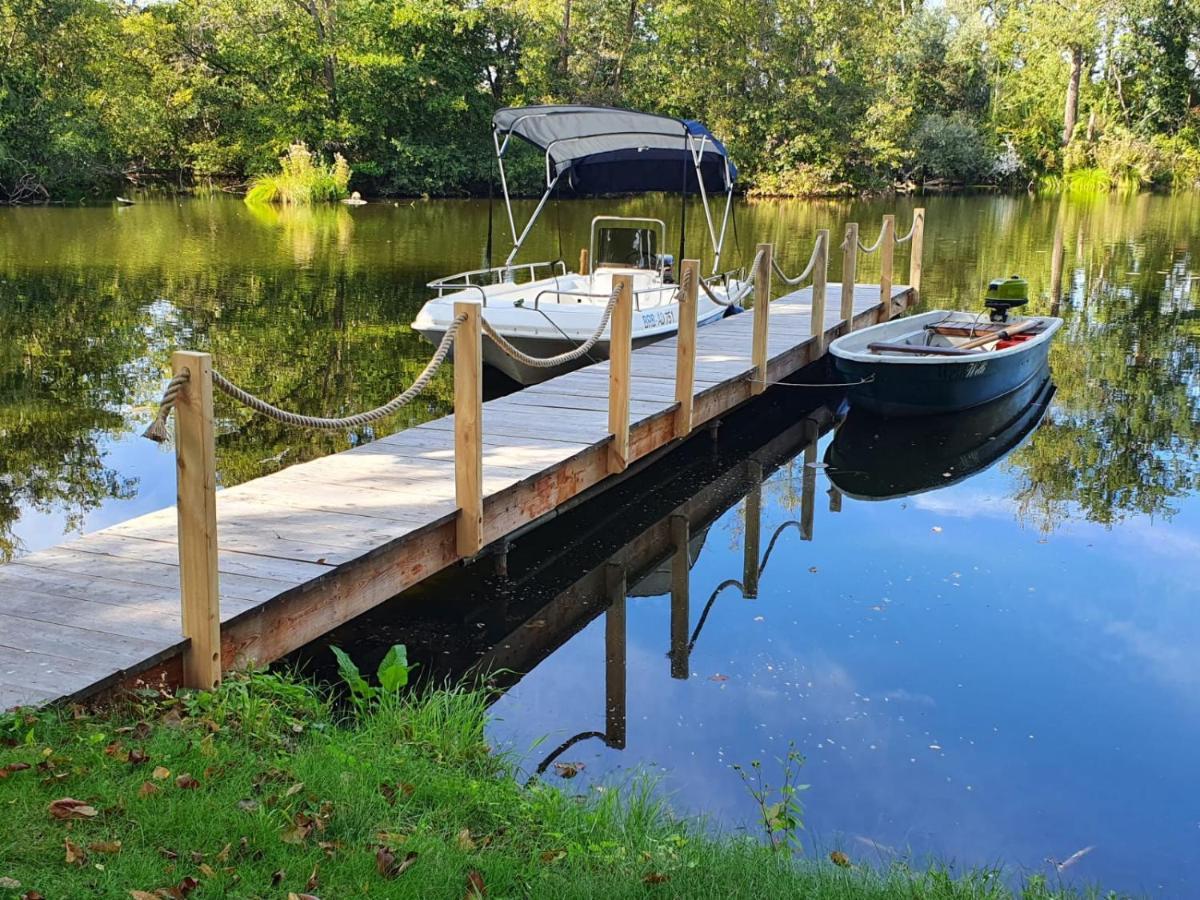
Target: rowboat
{"points": [[872, 458], [541, 309], [941, 361]]}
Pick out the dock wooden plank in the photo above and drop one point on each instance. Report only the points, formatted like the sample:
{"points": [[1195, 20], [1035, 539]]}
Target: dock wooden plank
{"points": [[308, 547]]}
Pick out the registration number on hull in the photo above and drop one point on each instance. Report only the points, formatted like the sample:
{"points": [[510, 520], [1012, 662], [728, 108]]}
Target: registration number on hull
{"points": [[658, 319]]}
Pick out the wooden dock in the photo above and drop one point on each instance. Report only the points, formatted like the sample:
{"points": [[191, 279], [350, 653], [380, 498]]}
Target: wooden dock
{"points": [[306, 549]]}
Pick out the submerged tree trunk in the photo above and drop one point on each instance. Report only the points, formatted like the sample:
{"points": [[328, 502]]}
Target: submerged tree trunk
{"points": [[1071, 109]]}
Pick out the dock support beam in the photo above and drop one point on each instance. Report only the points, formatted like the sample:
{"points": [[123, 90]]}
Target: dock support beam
{"points": [[685, 347], [820, 277], [196, 485], [468, 428], [680, 595], [620, 353], [887, 252], [849, 273], [614, 657], [916, 251], [808, 489], [762, 309]]}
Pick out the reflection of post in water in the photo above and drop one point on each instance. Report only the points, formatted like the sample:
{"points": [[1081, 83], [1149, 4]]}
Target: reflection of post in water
{"points": [[835, 499], [614, 657], [808, 491], [680, 583], [1056, 263], [753, 524]]}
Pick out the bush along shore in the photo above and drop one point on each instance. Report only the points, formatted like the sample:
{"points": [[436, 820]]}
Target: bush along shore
{"points": [[268, 788]]}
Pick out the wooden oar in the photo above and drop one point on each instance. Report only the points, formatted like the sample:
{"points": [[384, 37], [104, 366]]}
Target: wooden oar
{"points": [[917, 349], [1000, 335]]}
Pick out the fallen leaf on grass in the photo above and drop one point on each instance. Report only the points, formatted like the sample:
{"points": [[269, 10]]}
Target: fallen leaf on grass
{"points": [[5, 771], [464, 840], [330, 847], [10, 884], [247, 805], [277, 876], [147, 788], [389, 866], [313, 880], [75, 854], [294, 789], [137, 756], [70, 808], [838, 858], [298, 831], [656, 878], [160, 773], [32, 895], [475, 886], [392, 791], [569, 769], [292, 896], [207, 871], [187, 782], [167, 854], [143, 895], [553, 856], [105, 846]]}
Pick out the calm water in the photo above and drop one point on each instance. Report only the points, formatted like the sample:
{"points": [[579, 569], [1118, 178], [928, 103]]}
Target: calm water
{"points": [[1003, 667]]}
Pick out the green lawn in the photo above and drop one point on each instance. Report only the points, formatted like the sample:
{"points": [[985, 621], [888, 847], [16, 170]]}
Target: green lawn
{"points": [[263, 789]]}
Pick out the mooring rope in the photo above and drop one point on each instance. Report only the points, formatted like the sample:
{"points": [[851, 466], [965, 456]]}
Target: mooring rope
{"points": [[546, 362], [158, 428], [911, 231], [875, 246]]}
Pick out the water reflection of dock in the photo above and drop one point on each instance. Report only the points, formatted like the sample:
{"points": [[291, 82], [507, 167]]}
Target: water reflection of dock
{"points": [[648, 542]]}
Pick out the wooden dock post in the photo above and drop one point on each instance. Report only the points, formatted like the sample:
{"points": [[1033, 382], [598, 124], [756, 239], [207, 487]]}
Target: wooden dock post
{"points": [[468, 428], [849, 273], [680, 595], [196, 486], [820, 277], [762, 309], [887, 252], [620, 353], [752, 544], [916, 250], [685, 346], [614, 657], [583, 261]]}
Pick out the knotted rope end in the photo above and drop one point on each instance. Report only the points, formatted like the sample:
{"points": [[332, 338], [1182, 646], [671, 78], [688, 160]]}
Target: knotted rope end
{"points": [[157, 431]]}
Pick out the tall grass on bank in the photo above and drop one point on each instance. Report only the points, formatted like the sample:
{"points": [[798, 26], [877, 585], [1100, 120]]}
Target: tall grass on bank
{"points": [[265, 789], [303, 178]]}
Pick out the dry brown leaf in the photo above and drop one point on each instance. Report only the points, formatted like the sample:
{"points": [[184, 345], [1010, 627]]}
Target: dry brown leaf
{"points": [[5, 771], [277, 876], [553, 856], [105, 846], [247, 805], [313, 880], [294, 789], [160, 773], [838, 858], [464, 840], [147, 788], [656, 878], [207, 871], [292, 896], [70, 808], [330, 847], [143, 895], [298, 831], [476, 889], [187, 782], [32, 895], [75, 854], [224, 854], [392, 791], [167, 854], [389, 866], [569, 769], [137, 756]]}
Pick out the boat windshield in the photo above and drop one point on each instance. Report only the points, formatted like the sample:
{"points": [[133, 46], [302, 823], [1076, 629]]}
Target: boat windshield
{"points": [[635, 247]]}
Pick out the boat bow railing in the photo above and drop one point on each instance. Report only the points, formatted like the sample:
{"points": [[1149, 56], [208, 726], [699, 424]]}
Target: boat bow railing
{"points": [[463, 280]]}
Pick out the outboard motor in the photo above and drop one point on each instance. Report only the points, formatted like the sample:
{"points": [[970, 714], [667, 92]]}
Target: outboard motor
{"points": [[1004, 294]]}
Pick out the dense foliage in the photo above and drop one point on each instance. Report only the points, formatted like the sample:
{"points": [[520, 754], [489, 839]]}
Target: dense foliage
{"points": [[813, 98]]}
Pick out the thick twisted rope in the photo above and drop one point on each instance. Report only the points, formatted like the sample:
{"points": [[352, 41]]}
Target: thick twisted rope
{"points": [[812, 262], [875, 246], [911, 231], [158, 428], [547, 362]]}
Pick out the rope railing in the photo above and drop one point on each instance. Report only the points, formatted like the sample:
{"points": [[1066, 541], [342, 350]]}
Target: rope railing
{"points": [[157, 431], [548, 362], [912, 229], [812, 262], [875, 246]]}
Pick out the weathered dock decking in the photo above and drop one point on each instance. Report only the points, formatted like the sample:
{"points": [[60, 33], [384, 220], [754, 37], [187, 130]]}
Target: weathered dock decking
{"points": [[308, 548]]}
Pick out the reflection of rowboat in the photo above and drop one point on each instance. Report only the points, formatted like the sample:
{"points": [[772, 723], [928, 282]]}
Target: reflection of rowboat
{"points": [[941, 361], [872, 458]]}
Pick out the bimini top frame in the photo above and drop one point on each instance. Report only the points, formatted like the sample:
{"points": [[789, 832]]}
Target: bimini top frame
{"points": [[601, 150]]}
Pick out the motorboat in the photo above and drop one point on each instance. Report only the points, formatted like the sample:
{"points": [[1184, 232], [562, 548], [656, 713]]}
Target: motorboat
{"points": [[945, 360], [541, 308], [874, 458]]}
